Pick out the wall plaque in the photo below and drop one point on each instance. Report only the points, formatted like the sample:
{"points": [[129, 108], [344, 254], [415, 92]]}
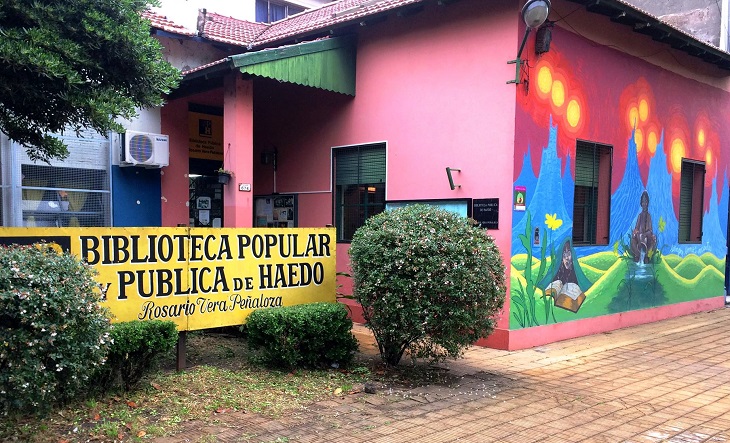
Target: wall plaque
{"points": [[486, 212]]}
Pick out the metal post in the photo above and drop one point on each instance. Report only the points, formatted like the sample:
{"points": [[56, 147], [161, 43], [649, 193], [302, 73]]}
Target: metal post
{"points": [[181, 340]]}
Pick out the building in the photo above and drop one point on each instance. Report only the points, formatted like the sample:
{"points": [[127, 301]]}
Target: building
{"points": [[592, 148]]}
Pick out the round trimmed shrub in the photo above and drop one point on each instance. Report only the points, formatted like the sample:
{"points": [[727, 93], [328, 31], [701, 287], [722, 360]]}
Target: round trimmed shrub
{"points": [[429, 281], [53, 332], [136, 347]]}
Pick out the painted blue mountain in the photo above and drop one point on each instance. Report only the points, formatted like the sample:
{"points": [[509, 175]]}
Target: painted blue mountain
{"points": [[723, 208], [568, 186], [546, 198], [625, 202], [527, 179], [713, 237], [661, 206]]}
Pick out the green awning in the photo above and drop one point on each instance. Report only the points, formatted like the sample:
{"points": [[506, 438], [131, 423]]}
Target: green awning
{"points": [[326, 64]]}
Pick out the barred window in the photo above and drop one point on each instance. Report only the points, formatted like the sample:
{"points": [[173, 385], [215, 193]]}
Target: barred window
{"points": [[359, 187], [691, 193], [72, 192], [592, 200]]}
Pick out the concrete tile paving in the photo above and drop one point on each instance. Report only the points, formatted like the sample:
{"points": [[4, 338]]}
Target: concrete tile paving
{"points": [[663, 382]]}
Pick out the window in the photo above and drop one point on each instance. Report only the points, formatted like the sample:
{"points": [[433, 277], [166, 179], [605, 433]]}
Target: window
{"points": [[268, 12], [691, 192], [592, 200], [69, 193], [359, 186], [58, 197]]}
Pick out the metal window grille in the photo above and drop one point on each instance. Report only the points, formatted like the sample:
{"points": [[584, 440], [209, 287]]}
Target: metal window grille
{"points": [[72, 192], [359, 187]]}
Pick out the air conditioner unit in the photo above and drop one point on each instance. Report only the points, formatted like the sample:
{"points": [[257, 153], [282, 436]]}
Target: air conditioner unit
{"points": [[145, 149]]}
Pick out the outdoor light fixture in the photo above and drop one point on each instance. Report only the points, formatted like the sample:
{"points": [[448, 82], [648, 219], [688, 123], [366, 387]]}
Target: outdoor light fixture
{"points": [[534, 13], [451, 179]]}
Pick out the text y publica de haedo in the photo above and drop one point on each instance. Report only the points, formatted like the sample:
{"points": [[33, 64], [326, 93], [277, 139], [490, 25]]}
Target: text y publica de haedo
{"points": [[152, 249]]}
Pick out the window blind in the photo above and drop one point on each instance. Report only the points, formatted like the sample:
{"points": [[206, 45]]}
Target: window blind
{"points": [[360, 165]]}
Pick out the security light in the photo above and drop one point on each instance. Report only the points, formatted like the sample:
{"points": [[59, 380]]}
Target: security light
{"points": [[534, 13]]}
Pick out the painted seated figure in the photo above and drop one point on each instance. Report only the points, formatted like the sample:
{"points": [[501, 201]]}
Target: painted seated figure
{"points": [[643, 240]]}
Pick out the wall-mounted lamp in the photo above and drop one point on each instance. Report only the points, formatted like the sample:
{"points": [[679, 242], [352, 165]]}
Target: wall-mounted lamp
{"points": [[271, 157], [451, 179], [534, 13]]}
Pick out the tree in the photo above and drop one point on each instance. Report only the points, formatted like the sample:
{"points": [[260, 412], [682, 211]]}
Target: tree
{"points": [[74, 64], [429, 281]]}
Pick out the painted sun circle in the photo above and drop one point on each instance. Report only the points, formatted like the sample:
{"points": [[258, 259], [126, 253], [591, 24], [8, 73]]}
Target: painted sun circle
{"points": [[639, 139], [678, 153], [633, 116], [544, 80], [558, 93], [643, 110], [573, 113], [652, 142]]}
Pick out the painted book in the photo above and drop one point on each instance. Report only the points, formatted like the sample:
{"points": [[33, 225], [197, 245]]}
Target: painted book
{"points": [[566, 295]]}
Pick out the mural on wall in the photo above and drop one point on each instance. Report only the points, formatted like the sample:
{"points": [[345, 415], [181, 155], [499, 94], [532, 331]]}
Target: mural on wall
{"points": [[643, 264]]}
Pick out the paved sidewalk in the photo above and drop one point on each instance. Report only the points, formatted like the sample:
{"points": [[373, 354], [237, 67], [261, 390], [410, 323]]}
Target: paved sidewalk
{"points": [[663, 382]]}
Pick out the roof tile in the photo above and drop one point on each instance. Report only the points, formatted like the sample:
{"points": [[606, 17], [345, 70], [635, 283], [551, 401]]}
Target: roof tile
{"points": [[161, 22], [330, 14], [230, 30]]}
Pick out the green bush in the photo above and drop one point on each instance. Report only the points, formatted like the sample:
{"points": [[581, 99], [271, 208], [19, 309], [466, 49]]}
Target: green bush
{"points": [[303, 335], [134, 350], [429, 281], [53, 332]]}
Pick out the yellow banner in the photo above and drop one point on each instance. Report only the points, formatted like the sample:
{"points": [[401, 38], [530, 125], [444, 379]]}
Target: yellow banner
{"points": [[198, 277]]}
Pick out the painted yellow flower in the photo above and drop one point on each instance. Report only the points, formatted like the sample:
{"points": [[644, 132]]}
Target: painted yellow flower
{"points": [[662, 224], [553, 222]]}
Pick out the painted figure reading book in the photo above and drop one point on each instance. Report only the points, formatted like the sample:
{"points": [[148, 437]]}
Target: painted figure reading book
{"points": [[565, 280], [643, 240]]}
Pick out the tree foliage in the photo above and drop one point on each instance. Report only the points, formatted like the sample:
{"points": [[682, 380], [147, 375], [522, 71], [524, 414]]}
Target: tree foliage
{"points": [[429, 281], [74, 64]]}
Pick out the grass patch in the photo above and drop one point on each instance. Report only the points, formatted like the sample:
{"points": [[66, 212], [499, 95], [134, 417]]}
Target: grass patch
{"points": [[219, 379]]}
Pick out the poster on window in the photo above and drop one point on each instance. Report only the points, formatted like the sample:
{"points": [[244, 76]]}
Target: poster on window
{"points": [[275, 211], [205, 136]]}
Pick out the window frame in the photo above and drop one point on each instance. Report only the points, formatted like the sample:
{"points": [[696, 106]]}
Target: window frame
{"points": [[697, 203], [338, 205], [596, 224], [285, 5]]}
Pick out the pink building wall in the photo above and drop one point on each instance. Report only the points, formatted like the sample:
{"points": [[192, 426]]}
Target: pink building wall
{"points": [[432, 87]]}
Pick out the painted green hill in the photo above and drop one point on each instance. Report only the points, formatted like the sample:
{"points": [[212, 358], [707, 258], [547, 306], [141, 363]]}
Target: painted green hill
{"points": [[614, 290], [711, 260], [593, 274], [672, 260], [690, 267], [600, 294], [601, 260], [519, 261], [709, 282]]}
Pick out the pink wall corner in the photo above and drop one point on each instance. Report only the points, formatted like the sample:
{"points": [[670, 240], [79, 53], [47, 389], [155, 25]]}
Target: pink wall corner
{"points": [[175, 194], [238, 116]]}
